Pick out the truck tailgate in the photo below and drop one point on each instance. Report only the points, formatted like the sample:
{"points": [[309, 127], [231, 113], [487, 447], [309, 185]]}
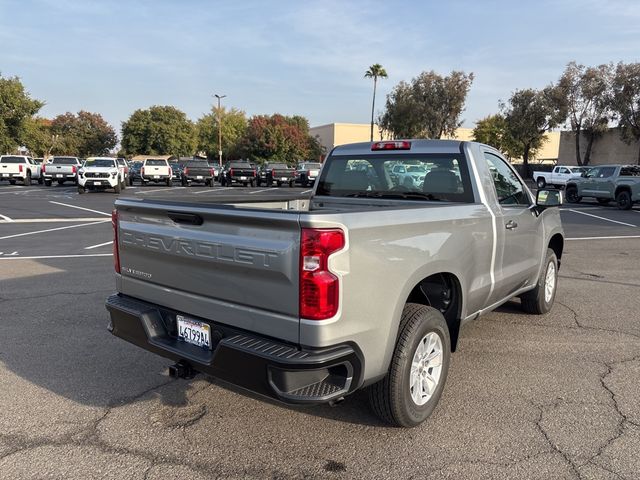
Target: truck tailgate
{"points": [[236, 267]]}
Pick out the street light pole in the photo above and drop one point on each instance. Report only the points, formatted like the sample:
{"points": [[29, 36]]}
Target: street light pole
{"points": [[219, 97]]}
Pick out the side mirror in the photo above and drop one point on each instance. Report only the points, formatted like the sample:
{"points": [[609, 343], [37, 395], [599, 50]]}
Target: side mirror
{"points": [[546, 198]]}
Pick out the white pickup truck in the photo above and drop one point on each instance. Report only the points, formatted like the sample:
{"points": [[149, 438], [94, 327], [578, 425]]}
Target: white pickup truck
{"points": [[559, 176], [20, 168], [156, 170]]}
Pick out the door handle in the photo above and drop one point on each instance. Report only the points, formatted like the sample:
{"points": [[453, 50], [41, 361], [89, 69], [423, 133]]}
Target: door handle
{"points": [[510, 225]]}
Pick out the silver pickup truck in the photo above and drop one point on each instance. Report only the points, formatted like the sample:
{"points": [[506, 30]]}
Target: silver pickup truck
{"points": [[365, 284]]}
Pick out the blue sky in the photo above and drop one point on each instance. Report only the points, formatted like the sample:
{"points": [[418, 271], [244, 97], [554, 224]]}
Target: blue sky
{"points": [[297, 57]]}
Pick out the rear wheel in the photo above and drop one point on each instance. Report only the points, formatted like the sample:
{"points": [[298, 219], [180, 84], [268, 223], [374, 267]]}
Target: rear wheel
{"points": [[117, 188], [291, 184], [169, 182], [253, 183], [184, 182], [130, 181], [279, 184], [12, 182], [540, 300], [40, 180], [27, 178], [47, 183], [81, 190], [572, 195], [541, 182], [623, 200], [409, 392]]}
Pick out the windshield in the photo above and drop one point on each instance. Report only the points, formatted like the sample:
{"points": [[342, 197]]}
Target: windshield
{"points": [[156, 163], [277, 165], [100, 162], [64, 161], [439, 177], [12, 160]]}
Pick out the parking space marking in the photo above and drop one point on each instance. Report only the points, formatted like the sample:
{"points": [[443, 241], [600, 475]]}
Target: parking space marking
{"points": [[40, 257], [604, 238], [23, 191], [158, 190], [99, 245], [603, 218], [53, 220], [53, 229], [306, 191], [6, 219], [80, 208], [263, 190], [221, 189]]}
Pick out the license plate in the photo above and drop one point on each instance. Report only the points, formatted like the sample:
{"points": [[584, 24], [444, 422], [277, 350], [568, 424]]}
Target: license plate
{"points": [[97, 183], [156, 176], [59, 175], [284, 179], [243, 178], [199, 177], [194, 332]]}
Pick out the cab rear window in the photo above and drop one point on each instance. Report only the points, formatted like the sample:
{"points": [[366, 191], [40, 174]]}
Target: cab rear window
{"points": [[435, 177], [12, 160], [157, 163]]}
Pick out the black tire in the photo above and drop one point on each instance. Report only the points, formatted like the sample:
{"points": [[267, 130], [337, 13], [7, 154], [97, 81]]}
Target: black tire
{"points": [[258, 182], [184, 182], [623, 200], [252, 183], [117, 188], [603, 201], [169, 182], [131, 181], [222, 182], [81, 190], [40, 180], [535, 301], [390, 398], [291, 184], [123, 185], [572, 195], [278, 184], [12, 182], [27, 178], [541, 182], [244, 184], [212, 182], [47, 183]]}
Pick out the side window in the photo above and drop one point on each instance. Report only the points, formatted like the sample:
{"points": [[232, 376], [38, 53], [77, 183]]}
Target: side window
{"points": [[509, 189], [563, 170], [606, 172]]}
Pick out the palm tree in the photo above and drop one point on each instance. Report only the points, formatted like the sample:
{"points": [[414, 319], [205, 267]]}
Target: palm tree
{"points": [[375, 71]]}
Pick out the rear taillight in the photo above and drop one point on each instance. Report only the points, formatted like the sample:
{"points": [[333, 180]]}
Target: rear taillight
{"points": [[170, 172], [255, 173], [44, 168], [308, 173], [319, 288], [20, 168], [212, 172], [231, 172], [74, 169], [273, 172], [186, 171], [116, 253]]}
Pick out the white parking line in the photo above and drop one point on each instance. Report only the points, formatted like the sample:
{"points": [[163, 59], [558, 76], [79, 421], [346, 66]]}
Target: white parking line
{"points": [[604, 238], [52, 229], [602, 218], [5, 218], [80, 208], [306, 191], [221, 189], [58, 256], [53, 220], [158, 190], [263, 190], [99, 245], [23, 191]]}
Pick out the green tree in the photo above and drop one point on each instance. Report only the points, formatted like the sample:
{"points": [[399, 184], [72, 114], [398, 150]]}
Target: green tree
{"points": [[38, 137], [529, 114], [428, 107], [492, 130], [16, 109], [84, 134], [587, 95], [234, 126], [375, 71], [279, 138], [159, 130], [626, 101]]}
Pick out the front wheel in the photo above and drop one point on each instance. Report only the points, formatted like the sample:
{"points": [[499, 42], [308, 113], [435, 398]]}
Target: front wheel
{"points": [[540, 300], [81, 190], [623, 200], [169, 182], [541, 182], [410, 391], [572, 195], [27, 179], [47, 183], [117, 188]]}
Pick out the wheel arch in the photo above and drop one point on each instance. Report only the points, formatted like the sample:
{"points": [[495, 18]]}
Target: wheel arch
{"points": [[556, 243]]}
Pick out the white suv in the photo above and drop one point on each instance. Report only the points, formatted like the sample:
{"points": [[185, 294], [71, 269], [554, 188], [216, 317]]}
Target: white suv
{"points": [[99, 173]]}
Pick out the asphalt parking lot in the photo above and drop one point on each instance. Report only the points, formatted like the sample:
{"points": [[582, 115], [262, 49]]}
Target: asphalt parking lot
{"points": [[555, 396]]}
